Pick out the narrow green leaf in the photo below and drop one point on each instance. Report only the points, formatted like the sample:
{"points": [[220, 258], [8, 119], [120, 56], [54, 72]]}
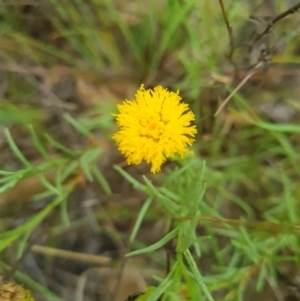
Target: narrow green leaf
{"points": [[61, 147], [16, 150], [169, 194], [9, 236], [59, 179], [140, 218], [101, 179], [251, 248], [6, 179], [77, 126], [90, 156], [38, 143], [64, 213], [5, 173], [197, 203], [69, 169], [162, 287], [156, 245], [163, 200], [9, 185], [262, 276], [197, 275], [286, 128], [136, 184], [186, 233], [48, 185]]}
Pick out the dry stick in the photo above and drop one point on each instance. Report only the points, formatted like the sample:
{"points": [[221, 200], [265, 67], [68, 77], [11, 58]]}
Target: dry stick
{"points": [[270, 24], [290, 11], [239, 86], [259, 225], [76, 256], [229, 30]]}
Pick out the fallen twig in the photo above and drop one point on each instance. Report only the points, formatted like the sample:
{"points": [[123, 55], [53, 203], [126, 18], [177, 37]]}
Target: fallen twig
{"points": [[271, 23], [229, 30], [245, 79]]}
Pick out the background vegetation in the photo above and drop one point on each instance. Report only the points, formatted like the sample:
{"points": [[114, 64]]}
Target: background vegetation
{"points": [[223, 225]]}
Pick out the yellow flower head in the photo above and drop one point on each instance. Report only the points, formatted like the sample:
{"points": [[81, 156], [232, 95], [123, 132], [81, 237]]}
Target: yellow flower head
{"points": [[10, 291], [153, 127]]}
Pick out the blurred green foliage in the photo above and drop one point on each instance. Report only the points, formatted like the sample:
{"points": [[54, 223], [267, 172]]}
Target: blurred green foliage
{"points": [[249, 193]]}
